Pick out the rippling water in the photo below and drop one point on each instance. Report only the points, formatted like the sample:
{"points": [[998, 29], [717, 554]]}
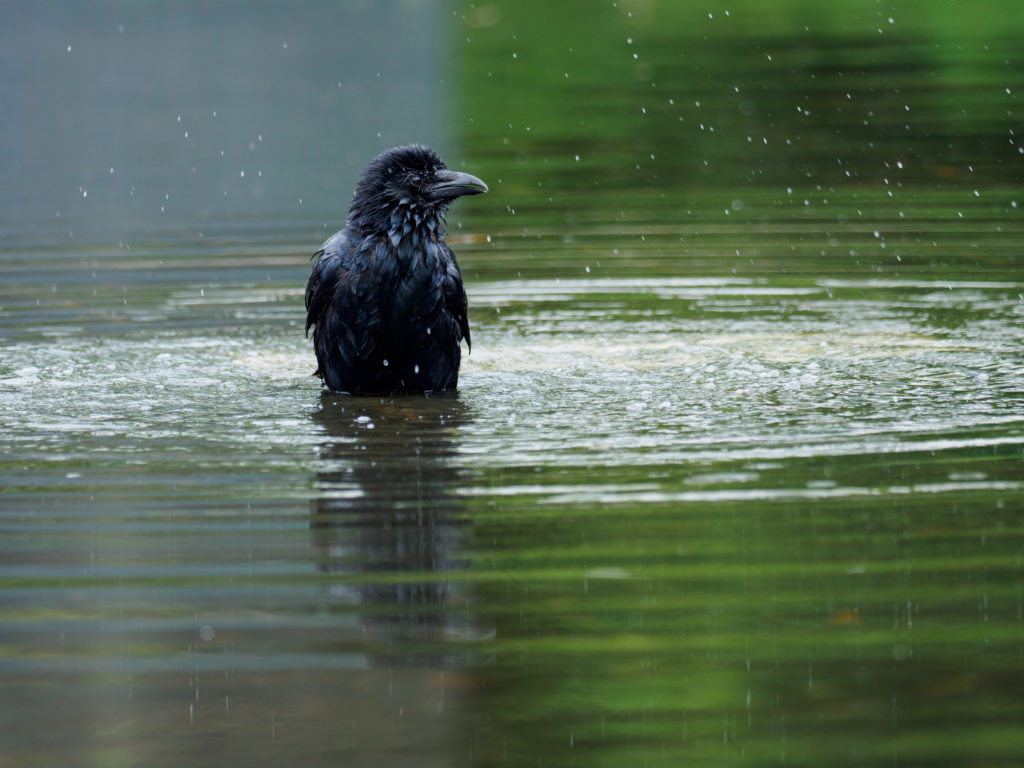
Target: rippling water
{"points": [[734, 474], [723, 510]]}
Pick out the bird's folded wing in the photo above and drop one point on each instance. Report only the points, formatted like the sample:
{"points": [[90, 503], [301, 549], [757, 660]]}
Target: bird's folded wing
{"points": [[316, 295], [342, 303], [455, 296]]}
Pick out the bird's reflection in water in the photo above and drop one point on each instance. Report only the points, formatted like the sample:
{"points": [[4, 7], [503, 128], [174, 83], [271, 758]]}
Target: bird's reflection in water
{"points": [[386, 505]]}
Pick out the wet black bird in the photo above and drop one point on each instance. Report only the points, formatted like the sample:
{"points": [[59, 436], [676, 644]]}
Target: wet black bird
{"points": [[385, 298]]}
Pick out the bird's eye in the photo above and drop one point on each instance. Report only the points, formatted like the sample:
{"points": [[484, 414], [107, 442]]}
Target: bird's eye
{"points": [[415, 179]]}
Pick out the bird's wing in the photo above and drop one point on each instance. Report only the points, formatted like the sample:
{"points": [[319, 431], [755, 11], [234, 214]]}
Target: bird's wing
{"points": [[342, 301], [330, 261], [455, 295]]}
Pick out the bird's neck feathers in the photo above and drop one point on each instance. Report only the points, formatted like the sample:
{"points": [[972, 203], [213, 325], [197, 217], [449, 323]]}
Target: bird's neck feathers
{"points": [[405, 220]]}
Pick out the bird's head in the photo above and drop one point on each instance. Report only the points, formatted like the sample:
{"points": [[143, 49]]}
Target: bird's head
{"points": [[412, 178]]}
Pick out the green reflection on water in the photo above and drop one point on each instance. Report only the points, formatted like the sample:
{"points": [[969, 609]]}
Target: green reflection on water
{"points": [[762, 633], [870, 611]]}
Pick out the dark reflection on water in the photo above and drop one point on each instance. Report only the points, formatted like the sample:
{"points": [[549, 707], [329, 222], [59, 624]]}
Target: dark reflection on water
{"points": [[386, 506]]}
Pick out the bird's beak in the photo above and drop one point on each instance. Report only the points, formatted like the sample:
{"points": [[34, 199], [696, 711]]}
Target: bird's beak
{"points": [[452, 184]]}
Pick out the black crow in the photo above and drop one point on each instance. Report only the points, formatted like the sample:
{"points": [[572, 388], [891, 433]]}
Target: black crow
{"points": [[386, 295]]}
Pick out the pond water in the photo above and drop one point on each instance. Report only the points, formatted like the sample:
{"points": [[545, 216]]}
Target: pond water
{"points": [[734, 474]]}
